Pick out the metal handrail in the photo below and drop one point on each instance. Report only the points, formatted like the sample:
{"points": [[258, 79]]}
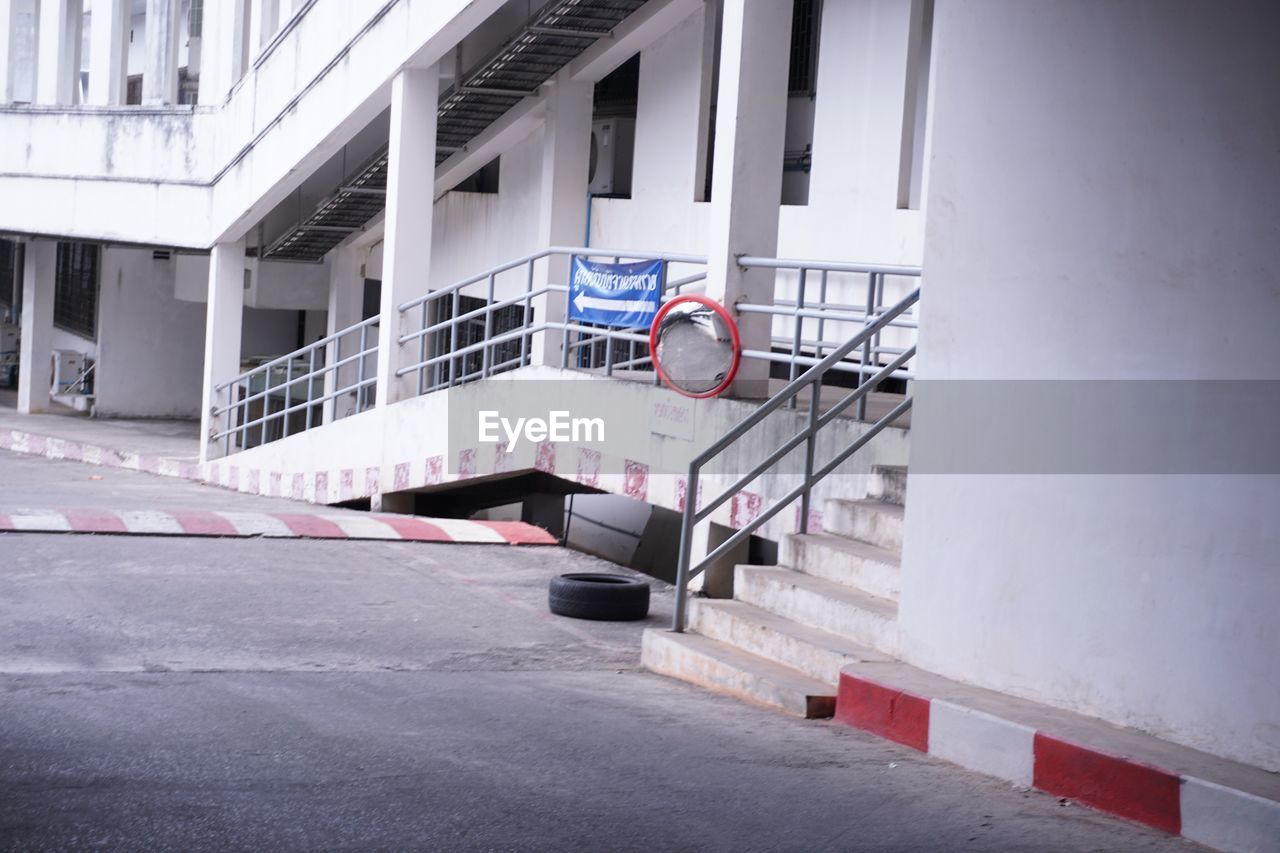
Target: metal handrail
{"points": [[234, 414], [446, 365], [811, 378]]}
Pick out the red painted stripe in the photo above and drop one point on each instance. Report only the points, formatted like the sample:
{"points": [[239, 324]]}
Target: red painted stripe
{"points": [[1111, 783], [204, 524], [311, 526], [520, 533], [94, 521], [5, 523], [414, 529], [893, 714]]}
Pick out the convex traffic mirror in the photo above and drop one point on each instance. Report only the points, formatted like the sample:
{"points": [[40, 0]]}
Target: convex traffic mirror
{"points": [[695, 346]]}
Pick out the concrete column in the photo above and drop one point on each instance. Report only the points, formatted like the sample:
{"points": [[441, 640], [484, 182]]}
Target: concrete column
{"points": [[8, 39], [263, 24], [58, 64], [108, 52], [222, 59], [562, 200], [406, 255], [672, 115], [36, 351], [160, 66], [746, 186], [223, 318], [346, 303]]}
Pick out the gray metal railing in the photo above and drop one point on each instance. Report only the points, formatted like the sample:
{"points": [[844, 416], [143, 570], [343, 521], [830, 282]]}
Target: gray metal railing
{"points": [[876, 320], [267, 402], [457, 343], [813, 312]]}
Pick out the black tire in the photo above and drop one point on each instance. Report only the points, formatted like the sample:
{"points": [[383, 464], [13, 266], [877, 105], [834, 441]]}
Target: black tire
{"points": [[13, 376], [604, 598]]}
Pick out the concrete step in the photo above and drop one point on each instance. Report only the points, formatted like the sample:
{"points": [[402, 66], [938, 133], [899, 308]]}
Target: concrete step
{"points": [[874, 570], [818, 654], [820, 603], [871, 521], [889, 484], [724, 669]]}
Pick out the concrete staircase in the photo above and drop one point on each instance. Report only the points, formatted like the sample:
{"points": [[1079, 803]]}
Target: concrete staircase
{"points": [[789, 629]]}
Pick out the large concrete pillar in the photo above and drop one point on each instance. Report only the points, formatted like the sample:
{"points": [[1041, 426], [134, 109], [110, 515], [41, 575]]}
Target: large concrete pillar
{"points": [[223, 318], [562, 200], [406, 258], [108, 51], [672, 115], [160, 66], [222, 54], [346, 304], [8, 38], [58, 63], [264, 21], [34, 372], [746, 186]]}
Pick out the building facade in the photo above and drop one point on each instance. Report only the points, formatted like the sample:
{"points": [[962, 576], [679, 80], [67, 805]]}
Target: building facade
{"points": [[1083, 191]]}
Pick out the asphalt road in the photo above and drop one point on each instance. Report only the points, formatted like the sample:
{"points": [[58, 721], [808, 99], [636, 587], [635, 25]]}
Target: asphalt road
{"points": [[170, 693]]}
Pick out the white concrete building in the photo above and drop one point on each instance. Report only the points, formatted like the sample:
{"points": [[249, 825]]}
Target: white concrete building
{"points": [[1088, 188]]}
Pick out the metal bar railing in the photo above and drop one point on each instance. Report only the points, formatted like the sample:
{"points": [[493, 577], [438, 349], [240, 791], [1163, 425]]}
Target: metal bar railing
{"points": [[451, 338], [303, 367], [812, 378]]}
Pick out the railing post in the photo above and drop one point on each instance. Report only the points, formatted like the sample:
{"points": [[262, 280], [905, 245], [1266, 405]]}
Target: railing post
{"points": [[360, 389], [453, 338], [528, 315], [810, 447], [866, 346], [422, 349], [797, 331], [686, 549], [311, 378], [288, 397], [822, 323], [486, 352]]}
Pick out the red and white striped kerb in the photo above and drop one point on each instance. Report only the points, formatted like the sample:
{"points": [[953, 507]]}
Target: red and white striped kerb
{"points": [[276, 525], [1216, 815]]}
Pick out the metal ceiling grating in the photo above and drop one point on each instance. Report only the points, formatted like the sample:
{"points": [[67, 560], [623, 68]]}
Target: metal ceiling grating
{"points": [[556, 34]]}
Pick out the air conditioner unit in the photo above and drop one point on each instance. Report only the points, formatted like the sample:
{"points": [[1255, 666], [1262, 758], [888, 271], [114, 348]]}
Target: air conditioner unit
{"points": [[613, 143], [67, 367]]}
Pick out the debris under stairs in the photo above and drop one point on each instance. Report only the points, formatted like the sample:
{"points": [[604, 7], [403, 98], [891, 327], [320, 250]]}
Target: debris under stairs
{"points": [[789, 629]]}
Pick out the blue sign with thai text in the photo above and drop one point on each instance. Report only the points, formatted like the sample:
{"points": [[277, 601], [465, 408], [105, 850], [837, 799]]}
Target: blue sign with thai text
{"points": [[625, 295]]}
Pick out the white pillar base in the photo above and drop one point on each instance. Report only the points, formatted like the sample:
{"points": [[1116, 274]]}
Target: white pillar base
{"points": [[36, 351]]}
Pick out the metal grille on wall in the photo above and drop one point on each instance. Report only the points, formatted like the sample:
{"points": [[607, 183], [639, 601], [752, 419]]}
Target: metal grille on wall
{"points": [[75, 292], [556, 34], [8, 272], [805, 19], [472, 331], [195, 19]]}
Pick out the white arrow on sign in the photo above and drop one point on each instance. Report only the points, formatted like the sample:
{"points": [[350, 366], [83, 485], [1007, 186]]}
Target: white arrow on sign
{"points": [[624, 306]]}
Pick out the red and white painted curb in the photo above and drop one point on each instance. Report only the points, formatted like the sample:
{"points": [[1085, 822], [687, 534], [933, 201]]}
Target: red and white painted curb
{"points": [[276, 525], [50, 447], [1211, 814]]}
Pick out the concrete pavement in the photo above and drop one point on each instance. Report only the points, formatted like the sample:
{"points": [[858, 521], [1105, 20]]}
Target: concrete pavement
{"points": [[298, 695]]}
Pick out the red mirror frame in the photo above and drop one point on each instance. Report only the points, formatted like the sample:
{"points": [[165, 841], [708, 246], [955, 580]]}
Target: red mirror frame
{"points": [[733, 335]]}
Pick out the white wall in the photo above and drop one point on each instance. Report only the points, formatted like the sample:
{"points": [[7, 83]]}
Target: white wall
{"points": [[150, 345], [1102, 204]]}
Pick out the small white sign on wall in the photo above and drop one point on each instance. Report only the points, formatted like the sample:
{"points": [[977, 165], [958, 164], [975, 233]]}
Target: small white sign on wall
{"points": [[672, 417]]}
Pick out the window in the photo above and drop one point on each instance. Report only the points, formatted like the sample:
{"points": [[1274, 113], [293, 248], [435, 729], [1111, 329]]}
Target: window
{"points": [[805, 20], [8, 275], [75, 293], [504, 356], [195, 19]]}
